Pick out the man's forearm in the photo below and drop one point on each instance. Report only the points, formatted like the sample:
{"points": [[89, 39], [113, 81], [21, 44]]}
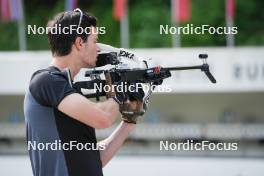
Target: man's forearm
{"points": [[114, 141], [109, 106]]}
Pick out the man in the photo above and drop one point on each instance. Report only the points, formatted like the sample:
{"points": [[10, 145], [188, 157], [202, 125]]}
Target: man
{"points": [[56, 113]]}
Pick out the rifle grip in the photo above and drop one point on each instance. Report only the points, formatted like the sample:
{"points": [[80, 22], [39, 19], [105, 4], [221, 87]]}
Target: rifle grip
{"points": [[108, 82]]}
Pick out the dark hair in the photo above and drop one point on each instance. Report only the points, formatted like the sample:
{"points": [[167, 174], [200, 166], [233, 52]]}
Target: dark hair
{"points": [[61, 43]]}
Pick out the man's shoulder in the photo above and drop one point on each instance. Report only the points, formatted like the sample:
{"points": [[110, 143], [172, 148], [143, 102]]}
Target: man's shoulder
{"points": [[49, 86], [48, 74]]}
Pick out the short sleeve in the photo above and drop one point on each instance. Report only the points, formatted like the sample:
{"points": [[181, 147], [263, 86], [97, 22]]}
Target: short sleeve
{"points": [[49, 88]]}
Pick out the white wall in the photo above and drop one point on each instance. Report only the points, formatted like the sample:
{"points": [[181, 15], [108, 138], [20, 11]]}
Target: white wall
{"points": [[236, 70]]}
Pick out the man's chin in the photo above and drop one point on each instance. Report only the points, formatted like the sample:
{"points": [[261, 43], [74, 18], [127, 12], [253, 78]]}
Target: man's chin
{"points": [[94, 64], [91, 65]]}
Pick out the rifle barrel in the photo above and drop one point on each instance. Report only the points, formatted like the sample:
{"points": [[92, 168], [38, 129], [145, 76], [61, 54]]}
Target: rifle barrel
{"points": [[184, 68]]}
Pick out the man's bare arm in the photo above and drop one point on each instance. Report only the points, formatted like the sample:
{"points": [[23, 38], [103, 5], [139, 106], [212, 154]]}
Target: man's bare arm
{"points": [[114, 141], [100, 115], [108, 105]]}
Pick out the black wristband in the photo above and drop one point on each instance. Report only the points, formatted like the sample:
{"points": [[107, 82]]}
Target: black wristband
{"points": [[127, 121]]}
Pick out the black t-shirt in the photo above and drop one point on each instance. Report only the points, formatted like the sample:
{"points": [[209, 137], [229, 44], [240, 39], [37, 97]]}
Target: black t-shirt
{"points": [[53, 136]]}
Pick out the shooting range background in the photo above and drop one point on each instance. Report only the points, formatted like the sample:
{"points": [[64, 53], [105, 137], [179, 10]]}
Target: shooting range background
{"points": [[230, 111]]}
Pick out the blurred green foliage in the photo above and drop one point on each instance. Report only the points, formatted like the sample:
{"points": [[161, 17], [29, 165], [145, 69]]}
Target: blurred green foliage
{"points": [[145, 18]]}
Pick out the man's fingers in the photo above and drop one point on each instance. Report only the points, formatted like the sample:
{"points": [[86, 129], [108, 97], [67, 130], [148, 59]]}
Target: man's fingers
{"points": [[133, 105]]}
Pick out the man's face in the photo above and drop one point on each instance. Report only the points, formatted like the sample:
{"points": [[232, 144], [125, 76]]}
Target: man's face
{"points": [[91, 49]]}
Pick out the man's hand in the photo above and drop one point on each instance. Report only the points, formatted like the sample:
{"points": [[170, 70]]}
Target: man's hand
{"points": [[131, 104], [134, 108], [131, 111]]}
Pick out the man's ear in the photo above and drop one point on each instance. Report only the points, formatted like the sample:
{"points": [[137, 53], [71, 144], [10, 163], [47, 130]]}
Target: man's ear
{"points": [[78, 43]]}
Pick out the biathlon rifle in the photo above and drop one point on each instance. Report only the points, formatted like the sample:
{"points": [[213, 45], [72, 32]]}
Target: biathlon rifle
{"points": [[152, 76]]}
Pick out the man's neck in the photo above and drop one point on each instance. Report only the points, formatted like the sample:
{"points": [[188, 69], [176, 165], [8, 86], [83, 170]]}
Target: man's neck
{"points": [[66, 62]]}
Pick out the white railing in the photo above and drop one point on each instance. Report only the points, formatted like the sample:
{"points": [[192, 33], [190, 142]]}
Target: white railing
{"points": [[166, 131]]}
